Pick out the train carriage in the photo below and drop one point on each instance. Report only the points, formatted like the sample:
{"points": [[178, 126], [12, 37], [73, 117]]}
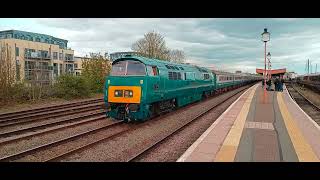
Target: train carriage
{"points": [[311, 81]]}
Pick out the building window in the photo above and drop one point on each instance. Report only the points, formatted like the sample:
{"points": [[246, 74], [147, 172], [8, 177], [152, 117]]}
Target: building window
{"points": [[60, 69], [75, 66], [60, 56], [68, 57], [28, 74], [29, 52], [55, 69], [29, 65], [44, 54], [17, 51], [77, 73], [69, 68], [55, 55], [44, 65]]}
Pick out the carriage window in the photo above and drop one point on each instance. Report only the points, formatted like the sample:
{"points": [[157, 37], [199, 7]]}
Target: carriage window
{"points": [[190, 76], [206, 76], [174, 75]]}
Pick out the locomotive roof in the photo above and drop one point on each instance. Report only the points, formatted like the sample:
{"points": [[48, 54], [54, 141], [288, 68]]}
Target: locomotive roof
{"points": [[151, 61]]}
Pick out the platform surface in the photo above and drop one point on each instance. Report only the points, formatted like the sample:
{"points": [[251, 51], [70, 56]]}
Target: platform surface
{"points": [[259, 127]]}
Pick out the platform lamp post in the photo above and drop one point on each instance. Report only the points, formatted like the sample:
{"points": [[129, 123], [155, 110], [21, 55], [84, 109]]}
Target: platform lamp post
{"points": [[269, 65], [265, 37]]}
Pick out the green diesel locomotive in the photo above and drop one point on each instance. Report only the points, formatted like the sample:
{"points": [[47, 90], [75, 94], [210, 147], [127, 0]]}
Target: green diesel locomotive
{"points": [[139, 88]]}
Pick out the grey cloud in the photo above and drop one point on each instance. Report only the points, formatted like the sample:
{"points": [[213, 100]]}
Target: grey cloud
{"points": [[222, 43]]}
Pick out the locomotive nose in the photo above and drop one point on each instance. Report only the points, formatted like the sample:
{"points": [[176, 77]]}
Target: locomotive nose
{"points": [[124, 94]]}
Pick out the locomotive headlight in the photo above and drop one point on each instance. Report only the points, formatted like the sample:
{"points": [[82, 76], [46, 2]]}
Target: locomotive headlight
{"points": [[128, 93], [118, 93]]}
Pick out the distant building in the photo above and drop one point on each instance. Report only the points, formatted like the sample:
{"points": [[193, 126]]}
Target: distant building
{"points": [[38, 57], [238, 71], [78, 64], [290, 75], [78, 61]]}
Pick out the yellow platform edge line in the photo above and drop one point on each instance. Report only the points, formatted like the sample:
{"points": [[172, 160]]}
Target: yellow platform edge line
{"points": [[230, 145], [303, 149]]}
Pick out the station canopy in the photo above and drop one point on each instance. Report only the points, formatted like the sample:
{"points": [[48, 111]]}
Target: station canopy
{"points": [[274, 72]]}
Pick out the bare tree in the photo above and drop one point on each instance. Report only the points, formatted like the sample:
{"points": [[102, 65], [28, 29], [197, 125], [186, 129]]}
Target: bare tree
{"points": [[152, 45], [177, 56], [7, 73]]}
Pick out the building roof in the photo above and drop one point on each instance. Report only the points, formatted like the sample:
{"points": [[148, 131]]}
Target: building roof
{"points": [[34, 37], [31, 33]]}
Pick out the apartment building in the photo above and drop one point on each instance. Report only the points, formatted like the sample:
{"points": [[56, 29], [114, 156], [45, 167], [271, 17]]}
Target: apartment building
{"points": [[78, 64], [38, 57]]}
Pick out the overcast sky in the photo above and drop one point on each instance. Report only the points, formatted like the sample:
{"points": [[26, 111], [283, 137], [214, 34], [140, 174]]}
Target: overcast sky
{"points": [[224, 44]]}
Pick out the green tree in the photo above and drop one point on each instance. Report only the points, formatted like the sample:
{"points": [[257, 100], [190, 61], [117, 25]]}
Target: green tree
{"points": [[95, 70], [69, 86]]}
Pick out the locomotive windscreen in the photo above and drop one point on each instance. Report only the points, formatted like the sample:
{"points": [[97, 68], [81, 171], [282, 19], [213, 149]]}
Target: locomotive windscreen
{"points": [[122, 68]]}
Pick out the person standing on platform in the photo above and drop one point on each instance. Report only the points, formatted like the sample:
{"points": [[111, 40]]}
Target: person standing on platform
{"points": [[276, 84], [281, 84], [269, 84]]}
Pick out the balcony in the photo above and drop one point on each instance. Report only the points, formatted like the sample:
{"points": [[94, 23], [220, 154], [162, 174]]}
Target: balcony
{"points": [[36, 55], [68, 59]]}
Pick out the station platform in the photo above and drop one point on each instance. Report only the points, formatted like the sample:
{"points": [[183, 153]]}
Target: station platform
{"points": [[259, 128]]}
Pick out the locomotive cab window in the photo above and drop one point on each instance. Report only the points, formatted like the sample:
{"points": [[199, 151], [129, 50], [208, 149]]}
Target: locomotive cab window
{"points": [[152, 70]]}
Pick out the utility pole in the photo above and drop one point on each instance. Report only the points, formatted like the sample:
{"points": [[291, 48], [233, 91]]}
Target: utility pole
{"points": [[308, 66]]}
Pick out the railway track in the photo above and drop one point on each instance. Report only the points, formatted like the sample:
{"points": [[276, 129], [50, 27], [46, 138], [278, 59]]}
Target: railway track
{"points": [[20, 120], [5, 117], [128, 133], [307, 105], [38, 127], [178, 129], [64, 141]]}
